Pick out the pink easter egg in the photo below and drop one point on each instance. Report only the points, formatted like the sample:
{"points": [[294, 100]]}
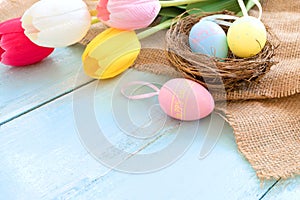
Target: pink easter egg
{"points": [[185, 100]]}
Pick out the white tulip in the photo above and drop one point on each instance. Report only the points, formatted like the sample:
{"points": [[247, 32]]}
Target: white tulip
{"points": [[56, 23]]}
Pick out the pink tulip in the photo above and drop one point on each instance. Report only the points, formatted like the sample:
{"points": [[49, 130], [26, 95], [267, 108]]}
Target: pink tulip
{"points": [[128, 14], [16, 49]]}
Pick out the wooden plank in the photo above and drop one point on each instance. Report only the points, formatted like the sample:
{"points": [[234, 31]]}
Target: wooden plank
{"points": [[285, 189], [23, 88], [224, 174], [42, 157]]}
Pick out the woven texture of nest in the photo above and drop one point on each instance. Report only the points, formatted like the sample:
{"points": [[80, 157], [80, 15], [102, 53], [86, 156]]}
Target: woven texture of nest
{"points": [[215, 73]]}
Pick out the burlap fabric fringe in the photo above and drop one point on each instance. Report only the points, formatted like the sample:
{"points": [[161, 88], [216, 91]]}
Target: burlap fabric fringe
{"points": [[265, 116], [268, 131]]}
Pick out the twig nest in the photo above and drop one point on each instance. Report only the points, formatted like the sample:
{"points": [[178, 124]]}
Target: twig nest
{"points": [[213, 72]]}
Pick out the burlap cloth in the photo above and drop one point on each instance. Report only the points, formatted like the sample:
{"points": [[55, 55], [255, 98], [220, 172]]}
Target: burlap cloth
{"points": [[266, 115]]}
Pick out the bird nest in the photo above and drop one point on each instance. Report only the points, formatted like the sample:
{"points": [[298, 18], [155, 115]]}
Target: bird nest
{"points": [[212, 72]]}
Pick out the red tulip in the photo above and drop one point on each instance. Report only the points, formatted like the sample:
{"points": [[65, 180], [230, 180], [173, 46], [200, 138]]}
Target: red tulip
{"points": [[16, 49]]}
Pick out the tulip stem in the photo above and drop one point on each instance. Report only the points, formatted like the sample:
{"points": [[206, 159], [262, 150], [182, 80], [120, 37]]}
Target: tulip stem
{"points": [[178, 2], [152, 30], [95, 20]]}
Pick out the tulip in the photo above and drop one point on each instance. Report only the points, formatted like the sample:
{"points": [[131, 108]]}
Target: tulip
{"points": [[110, 53], [128, 14], [56, 23], [16, 49]]}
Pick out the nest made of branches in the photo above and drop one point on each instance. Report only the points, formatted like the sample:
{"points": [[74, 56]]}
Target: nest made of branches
{"points": [[216, 73]]}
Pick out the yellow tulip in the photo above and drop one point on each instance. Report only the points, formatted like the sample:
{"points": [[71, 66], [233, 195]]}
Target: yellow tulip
{"points": [[110, 53]]}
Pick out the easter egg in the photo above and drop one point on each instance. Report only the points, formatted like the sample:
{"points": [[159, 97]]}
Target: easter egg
{"points": [[208, 38], [185, 100], [246, 36]]}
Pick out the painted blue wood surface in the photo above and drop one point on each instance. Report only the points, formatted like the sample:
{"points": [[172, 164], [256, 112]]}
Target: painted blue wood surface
{"points": [[42, 156], [23, 88]]}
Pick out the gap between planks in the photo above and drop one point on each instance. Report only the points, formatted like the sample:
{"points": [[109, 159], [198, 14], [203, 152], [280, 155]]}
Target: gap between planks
{"points": [[45, 103]]}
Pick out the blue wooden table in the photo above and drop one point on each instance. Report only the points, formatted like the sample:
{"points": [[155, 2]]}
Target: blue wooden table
{"points": [[43, 153]]}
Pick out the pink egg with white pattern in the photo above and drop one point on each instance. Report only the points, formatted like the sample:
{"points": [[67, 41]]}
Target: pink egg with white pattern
{"points": [[185, 100]]}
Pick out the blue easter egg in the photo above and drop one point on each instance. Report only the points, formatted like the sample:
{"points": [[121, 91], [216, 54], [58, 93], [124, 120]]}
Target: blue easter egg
{"points": [[208, 38]]}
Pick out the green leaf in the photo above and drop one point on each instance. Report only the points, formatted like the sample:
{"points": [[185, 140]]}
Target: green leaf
{"points": [[249, 5], [165, 18], [171, 11], [181, 7], [214, 6]]}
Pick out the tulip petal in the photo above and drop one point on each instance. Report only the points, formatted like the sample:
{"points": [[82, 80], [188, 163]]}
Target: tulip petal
{"points": [[99, 39], [64, 33], [54, 24], [16, 55], [1, 50], [120, 64], [110, 53], [46, 8], [10, 27], [16, 49], [128, 14], [103, 13]]}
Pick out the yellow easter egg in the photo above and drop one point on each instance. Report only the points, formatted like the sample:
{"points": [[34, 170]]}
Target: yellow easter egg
{"points": [[246, 36]]}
